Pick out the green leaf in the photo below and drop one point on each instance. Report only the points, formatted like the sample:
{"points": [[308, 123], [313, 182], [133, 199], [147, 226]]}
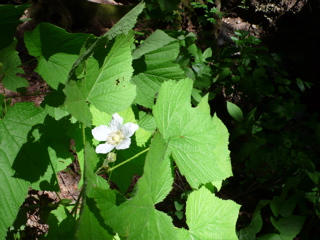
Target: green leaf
{"points": [[204, 105], [47, 152], [156, 40], [123, 175], [288, 206], [137, 218], [10, 62], [9, 21], [90, 225], [199, 143], [300, 84], [178, 206], [168, 5], [14, 129], [207, 54], [235, 111], [76, 103], [123, 26], [61, 224], [289, 227], [209, 217], [98, 117], [106, 84], [270, 236], [56, 51], [147, 126], [154, 68], [250, 231]]}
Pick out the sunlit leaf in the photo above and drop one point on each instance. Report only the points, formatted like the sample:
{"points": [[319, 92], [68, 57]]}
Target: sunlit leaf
{"points": [[199, 142], [137, 218], [209, 217], [106, 84]]}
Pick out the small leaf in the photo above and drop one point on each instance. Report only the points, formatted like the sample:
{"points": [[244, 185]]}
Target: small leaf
{"points": [[207, 54], [10, 67], [178, 206], [300, 84], [235, 111]]}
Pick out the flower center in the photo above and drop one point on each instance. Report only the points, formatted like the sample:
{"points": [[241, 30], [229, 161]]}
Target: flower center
{"points": [[115, 138]]}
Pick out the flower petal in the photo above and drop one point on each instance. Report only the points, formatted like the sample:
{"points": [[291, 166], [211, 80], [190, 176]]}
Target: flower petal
{"points": [[129, 128], [124, 144], [116, 122], [101, 133], [104, 148]]}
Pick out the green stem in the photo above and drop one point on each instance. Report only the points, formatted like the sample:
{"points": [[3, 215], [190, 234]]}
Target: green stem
{"points": [[128, 160]]}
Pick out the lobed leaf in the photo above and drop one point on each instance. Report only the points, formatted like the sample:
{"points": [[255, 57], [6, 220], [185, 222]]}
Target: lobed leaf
{"points": [[56, 51], [137, 218], [89, 225], [106, 84], [209, 217], [199, 143], [123, 26], [9, 20], [155, 67], [14, 130], [10, 63]]}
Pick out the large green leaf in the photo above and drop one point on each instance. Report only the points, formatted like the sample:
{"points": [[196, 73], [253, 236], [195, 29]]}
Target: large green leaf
{"points": [[209, 217], [199, 142], [155, 67], [14, 130], [9, 20], [137, 218], [90, 226], [56, 51], [124, 26], [9, 68], [106, 84]]}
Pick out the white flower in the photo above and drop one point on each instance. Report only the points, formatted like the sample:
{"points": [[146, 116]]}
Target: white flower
{"points": [[115, 136]]}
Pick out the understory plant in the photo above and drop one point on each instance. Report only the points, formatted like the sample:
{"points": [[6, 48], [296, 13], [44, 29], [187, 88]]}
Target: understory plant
{"points": [[123, 111], [273, 137]]}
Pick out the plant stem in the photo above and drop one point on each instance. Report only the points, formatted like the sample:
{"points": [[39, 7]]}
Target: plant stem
{"points": [[128, 160]]}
